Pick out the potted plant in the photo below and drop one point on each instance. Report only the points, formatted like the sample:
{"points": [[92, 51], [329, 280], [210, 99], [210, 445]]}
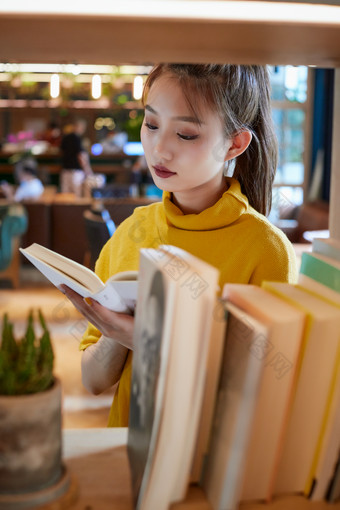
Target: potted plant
{"points": [[30, 414]]}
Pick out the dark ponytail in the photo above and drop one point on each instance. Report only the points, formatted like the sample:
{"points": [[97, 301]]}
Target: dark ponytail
{"points": [[255, 169]]}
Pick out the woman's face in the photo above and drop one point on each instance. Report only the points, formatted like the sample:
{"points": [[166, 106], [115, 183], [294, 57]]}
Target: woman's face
{"points": [[184, 155]]}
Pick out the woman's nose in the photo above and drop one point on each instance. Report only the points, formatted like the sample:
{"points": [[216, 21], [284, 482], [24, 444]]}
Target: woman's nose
{"points": [[162, 148]]}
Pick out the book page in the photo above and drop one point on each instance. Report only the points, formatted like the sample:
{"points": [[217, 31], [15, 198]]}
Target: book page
{"points": [[69, 267]]}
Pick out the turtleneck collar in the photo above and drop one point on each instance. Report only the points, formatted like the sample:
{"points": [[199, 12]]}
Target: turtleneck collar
{"points": [[228, 209]]}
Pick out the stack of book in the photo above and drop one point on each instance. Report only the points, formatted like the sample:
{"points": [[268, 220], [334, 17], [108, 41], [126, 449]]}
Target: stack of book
{"points": [[238, 394], [241, 394]]}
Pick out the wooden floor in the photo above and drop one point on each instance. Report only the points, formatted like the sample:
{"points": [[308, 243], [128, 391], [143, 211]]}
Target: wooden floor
{"points": [[80, 409]]}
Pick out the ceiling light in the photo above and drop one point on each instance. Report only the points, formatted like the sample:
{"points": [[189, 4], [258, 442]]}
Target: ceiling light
{"points": [[96, 86], [138, 87], [55, 86]]}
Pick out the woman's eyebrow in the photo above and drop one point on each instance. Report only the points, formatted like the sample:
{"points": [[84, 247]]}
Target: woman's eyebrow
{"points": [[183, 118]]}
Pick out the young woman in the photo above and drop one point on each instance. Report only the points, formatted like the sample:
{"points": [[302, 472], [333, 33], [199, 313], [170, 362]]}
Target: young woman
{"points": [[202, 124]]}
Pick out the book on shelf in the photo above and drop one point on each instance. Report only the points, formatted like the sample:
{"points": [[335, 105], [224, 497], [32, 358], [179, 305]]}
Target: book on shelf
{"points": [[119, 293], [329, 444], [324, 482], [333, 493], [238, 394], [240, 376], [211, 381], [319, 289], [327, 246], [281, 355], [317, 373], [322, 269], [176, 301]]}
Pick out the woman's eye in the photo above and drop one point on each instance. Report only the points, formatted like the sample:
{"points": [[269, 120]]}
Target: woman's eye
{"points": [[187, 137], [152, 127]]}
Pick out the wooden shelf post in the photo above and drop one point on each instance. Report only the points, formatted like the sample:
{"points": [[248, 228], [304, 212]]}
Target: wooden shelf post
{"points": [[334, 214]]}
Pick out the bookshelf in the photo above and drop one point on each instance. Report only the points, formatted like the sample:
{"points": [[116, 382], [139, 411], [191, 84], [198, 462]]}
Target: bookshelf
{"points": [[98, 466], [245, 32], [135, 32]]}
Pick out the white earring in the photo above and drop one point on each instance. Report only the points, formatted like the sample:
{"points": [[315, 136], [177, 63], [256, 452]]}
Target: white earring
{"points": [[229, 167]]}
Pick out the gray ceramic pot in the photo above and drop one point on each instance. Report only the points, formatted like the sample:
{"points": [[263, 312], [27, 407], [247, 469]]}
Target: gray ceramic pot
{"points": [[30, 441]]}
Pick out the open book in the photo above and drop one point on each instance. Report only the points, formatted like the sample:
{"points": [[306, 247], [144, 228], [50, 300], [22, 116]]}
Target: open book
{"points": [[119, 293]]}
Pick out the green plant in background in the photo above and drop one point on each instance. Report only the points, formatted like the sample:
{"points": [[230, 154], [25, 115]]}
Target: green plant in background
{"points": [[132, 126], [26, 365]]}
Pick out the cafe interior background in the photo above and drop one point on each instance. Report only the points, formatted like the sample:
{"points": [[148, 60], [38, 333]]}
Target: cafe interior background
{"points": [[35, 97]]}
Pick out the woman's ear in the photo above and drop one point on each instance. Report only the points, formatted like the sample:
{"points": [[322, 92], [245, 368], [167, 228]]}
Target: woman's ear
{"points": [[239, 144]]}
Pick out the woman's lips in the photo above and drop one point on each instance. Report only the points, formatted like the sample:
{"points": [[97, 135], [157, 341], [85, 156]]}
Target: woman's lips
{"points": [[163, 172]]}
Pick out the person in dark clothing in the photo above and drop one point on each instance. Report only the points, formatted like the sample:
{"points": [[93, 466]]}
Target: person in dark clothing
{"points": [[75, 160]]}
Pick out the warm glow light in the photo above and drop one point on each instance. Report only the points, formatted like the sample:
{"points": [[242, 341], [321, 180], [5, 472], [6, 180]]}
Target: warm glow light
{"points": [[138, 87], [55, 86], [253, 11], [75, 69], [96, 86]]}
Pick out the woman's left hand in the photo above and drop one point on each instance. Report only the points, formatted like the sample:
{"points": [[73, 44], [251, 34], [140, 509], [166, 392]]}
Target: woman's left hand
{"points": [[118, 326]]}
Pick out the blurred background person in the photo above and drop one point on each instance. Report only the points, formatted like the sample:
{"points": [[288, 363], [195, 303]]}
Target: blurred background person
{"points": [[30, 186], [75, 160]]}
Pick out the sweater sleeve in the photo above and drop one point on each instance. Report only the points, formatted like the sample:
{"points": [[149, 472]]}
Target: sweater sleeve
{"points": [[278, 262]]}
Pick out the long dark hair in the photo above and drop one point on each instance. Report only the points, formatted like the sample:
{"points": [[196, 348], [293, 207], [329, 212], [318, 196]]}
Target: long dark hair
{"points": [[241, 96]]}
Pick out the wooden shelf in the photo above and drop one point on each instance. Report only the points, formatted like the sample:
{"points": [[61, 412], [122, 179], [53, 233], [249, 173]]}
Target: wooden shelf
{"points": [[132, 31], [97, 459], [290, 503], [170, 30]]}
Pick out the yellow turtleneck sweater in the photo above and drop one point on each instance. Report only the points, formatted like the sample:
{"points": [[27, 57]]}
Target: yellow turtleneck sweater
{"points": [[230, 235]]}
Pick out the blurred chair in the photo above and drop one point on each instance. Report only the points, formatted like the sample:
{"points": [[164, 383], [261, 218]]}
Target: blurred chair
{"points": [[13, 223], [308, 217], [99, 228]]}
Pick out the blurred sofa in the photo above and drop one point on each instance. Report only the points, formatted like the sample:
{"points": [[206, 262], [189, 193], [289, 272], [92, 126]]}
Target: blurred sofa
{"points": [[13, 223]]}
